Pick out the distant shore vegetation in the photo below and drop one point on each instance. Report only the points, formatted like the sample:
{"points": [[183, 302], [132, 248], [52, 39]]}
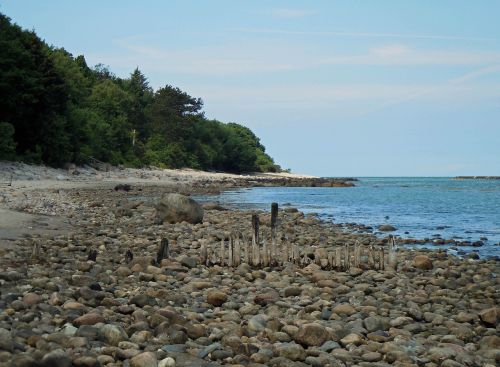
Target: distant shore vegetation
{"points": [[55, 109]]}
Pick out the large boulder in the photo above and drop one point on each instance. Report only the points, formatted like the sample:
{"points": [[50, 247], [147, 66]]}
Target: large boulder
{"points": [[175, 208]]}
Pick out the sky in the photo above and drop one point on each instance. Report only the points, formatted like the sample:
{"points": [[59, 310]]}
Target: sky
{"points": [[332, 88]]}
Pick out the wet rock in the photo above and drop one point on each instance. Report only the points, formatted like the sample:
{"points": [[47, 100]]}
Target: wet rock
{"points": [[386, 228], [374, 323]]}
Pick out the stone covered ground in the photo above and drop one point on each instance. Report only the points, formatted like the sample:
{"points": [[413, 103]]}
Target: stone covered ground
{"points": [[60, 309]]}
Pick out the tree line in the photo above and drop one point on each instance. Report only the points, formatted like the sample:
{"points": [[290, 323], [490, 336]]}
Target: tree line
{"points": [[55, 109]]}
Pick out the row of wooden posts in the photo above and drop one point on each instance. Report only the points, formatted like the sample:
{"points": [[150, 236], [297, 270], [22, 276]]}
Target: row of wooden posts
{"points": [[261, 254]]}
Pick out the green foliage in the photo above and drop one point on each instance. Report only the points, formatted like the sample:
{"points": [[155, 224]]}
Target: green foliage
{"points": [[7, 143], [59, 110]]}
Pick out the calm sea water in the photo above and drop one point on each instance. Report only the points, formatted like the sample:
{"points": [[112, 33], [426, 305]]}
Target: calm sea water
{"points": [[418, 207]]}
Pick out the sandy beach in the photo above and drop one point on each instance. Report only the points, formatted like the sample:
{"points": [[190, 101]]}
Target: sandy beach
{"points": [[61, 307]]}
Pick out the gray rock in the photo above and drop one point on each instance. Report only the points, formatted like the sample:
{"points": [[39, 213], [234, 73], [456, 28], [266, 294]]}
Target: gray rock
{"points": [[56, 358], [291, 351], [374, 323], [112, 334], [6, 342], [175, 208], [209, 349], [386, 228]]}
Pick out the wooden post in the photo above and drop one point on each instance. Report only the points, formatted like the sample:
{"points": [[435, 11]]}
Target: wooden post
{"points": [[392, 260], [162, 251], [265, 253], [230, 252], [346, 257], [371, 258], [286, 252], [255, 240], [35, 254], [237, 252], [222, 252], [338, 257], [129, 256], [296, 255], [203, 252], [247, 251], [209, 256], [92, 255], [331, 260]]}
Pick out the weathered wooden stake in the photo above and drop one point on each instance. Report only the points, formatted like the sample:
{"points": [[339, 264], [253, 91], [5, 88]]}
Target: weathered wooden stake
{"points": [[230, 254], [255, 229], [35, 254], [92, 255], [162, 251], [248, 257], [371, 258], [129, 256], [203, 252], [237, 251], [392, 261], [222, 252], [338, 259], [265, 253], [286, 252]]}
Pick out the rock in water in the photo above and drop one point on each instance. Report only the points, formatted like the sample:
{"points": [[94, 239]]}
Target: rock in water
{"points": [[386, 228], [174, 208]]}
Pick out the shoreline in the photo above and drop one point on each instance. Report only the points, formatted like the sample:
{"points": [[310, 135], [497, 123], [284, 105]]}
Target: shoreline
{"points": [[436, 309]]}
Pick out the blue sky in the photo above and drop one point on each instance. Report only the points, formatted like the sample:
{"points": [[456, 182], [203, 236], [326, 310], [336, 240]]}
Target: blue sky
{"points": [[333, 88]]}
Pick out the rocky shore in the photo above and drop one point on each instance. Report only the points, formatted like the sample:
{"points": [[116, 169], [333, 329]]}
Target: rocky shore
{"points": [[58, 308]]}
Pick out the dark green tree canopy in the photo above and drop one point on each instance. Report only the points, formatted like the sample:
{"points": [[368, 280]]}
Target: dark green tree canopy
{"points": [[54, 108]]}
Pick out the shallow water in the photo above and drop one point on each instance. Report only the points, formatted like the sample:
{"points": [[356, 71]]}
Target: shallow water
{"points": [[418, 207]]}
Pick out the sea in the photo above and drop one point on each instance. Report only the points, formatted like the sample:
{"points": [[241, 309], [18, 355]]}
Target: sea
{"points": [[423, 208]]}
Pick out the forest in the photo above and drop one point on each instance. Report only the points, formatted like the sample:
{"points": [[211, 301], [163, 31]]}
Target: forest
{"points": [[56, 109]]}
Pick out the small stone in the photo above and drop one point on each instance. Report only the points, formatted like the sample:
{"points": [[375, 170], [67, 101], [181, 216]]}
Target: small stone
{"points": [[371, 357], [89, 319], [86, 361], [291, 351], [422, 262], [167, 362], [374, 323], [344, 309], [352, 338], [292, 291], [31, 299], [6, 342], [112, 334], [56, 358], [216, 298], [189, 261], [266, 298], [146, 359], [142, 300], [311, 335], [490, 316]]}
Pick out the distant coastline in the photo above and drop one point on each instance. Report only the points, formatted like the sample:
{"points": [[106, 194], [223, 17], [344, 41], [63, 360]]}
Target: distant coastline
{"points": [[477, 178]]}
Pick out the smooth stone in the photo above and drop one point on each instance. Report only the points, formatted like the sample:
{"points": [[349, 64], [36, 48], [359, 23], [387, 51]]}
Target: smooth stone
{"points": [[56, 358], [146, 359], [112, 334], [291, 351]]}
